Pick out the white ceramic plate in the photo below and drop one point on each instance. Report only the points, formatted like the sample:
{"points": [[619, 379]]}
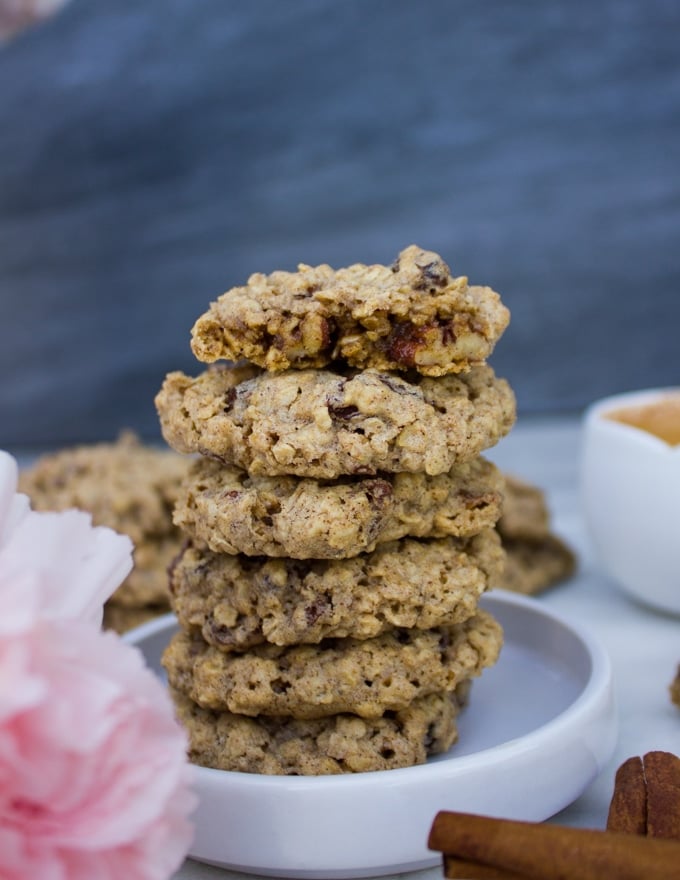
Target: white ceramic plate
{"points": [[539, 727]]}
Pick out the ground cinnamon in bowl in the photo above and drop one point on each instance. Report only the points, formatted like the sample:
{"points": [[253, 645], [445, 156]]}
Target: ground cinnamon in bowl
{"points": [[661, 418]]}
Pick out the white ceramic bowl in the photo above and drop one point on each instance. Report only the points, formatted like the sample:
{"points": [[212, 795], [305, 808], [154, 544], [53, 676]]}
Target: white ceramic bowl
{"points": [[631, 496], [539, 727]]}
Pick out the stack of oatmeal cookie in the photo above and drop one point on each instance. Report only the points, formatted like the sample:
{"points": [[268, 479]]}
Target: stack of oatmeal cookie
{"points": [[340, 519]]}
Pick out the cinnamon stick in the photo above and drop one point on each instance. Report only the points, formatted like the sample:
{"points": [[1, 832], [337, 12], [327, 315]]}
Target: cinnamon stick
{"points": [[662, 776], [628, 807], [462, 869], [550, 852], [646, 797]]}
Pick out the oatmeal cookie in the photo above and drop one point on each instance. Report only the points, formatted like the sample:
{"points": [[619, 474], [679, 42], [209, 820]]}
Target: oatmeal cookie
{"points": [[237, 602], [121, 618], [336, 744], [536, 557], [147, 583], [126, 486], [301, 518], [316, 423], [533, 565], [367, 678], [411, 315], [525, 512]]}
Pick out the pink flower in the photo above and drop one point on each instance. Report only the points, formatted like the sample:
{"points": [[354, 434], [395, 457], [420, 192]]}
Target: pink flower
{"points": [[93, 773], [53, 565]]}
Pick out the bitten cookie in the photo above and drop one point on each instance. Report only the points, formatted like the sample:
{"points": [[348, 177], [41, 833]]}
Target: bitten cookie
{"points": [[366, 677], [230, 512], [336, 744], [412, 315], [126, 486], [237, 602], [317, 423]]}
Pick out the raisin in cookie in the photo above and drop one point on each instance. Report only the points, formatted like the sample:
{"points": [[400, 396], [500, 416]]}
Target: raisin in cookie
{"points": [[317, 423], [301, 518], [412, 315], [336, 744], [237, 602], [366, 677]]}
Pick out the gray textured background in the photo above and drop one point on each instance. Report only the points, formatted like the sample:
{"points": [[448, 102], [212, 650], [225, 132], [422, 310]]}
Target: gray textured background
{"points": [[155, 152]]}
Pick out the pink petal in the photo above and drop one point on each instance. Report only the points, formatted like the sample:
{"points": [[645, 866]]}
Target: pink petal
{"points": [[93, 773], [77, 566], [13, 507]]}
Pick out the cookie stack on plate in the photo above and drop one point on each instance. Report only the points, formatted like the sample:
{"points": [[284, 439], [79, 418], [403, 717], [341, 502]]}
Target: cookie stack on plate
{"points": [[340, 519]]}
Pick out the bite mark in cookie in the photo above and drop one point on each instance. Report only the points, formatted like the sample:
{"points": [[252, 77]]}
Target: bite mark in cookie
{"points": [[412, 315]]}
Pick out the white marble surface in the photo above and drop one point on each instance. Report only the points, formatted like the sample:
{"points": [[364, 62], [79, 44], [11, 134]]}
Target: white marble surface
{"points": [[644, 645]]}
